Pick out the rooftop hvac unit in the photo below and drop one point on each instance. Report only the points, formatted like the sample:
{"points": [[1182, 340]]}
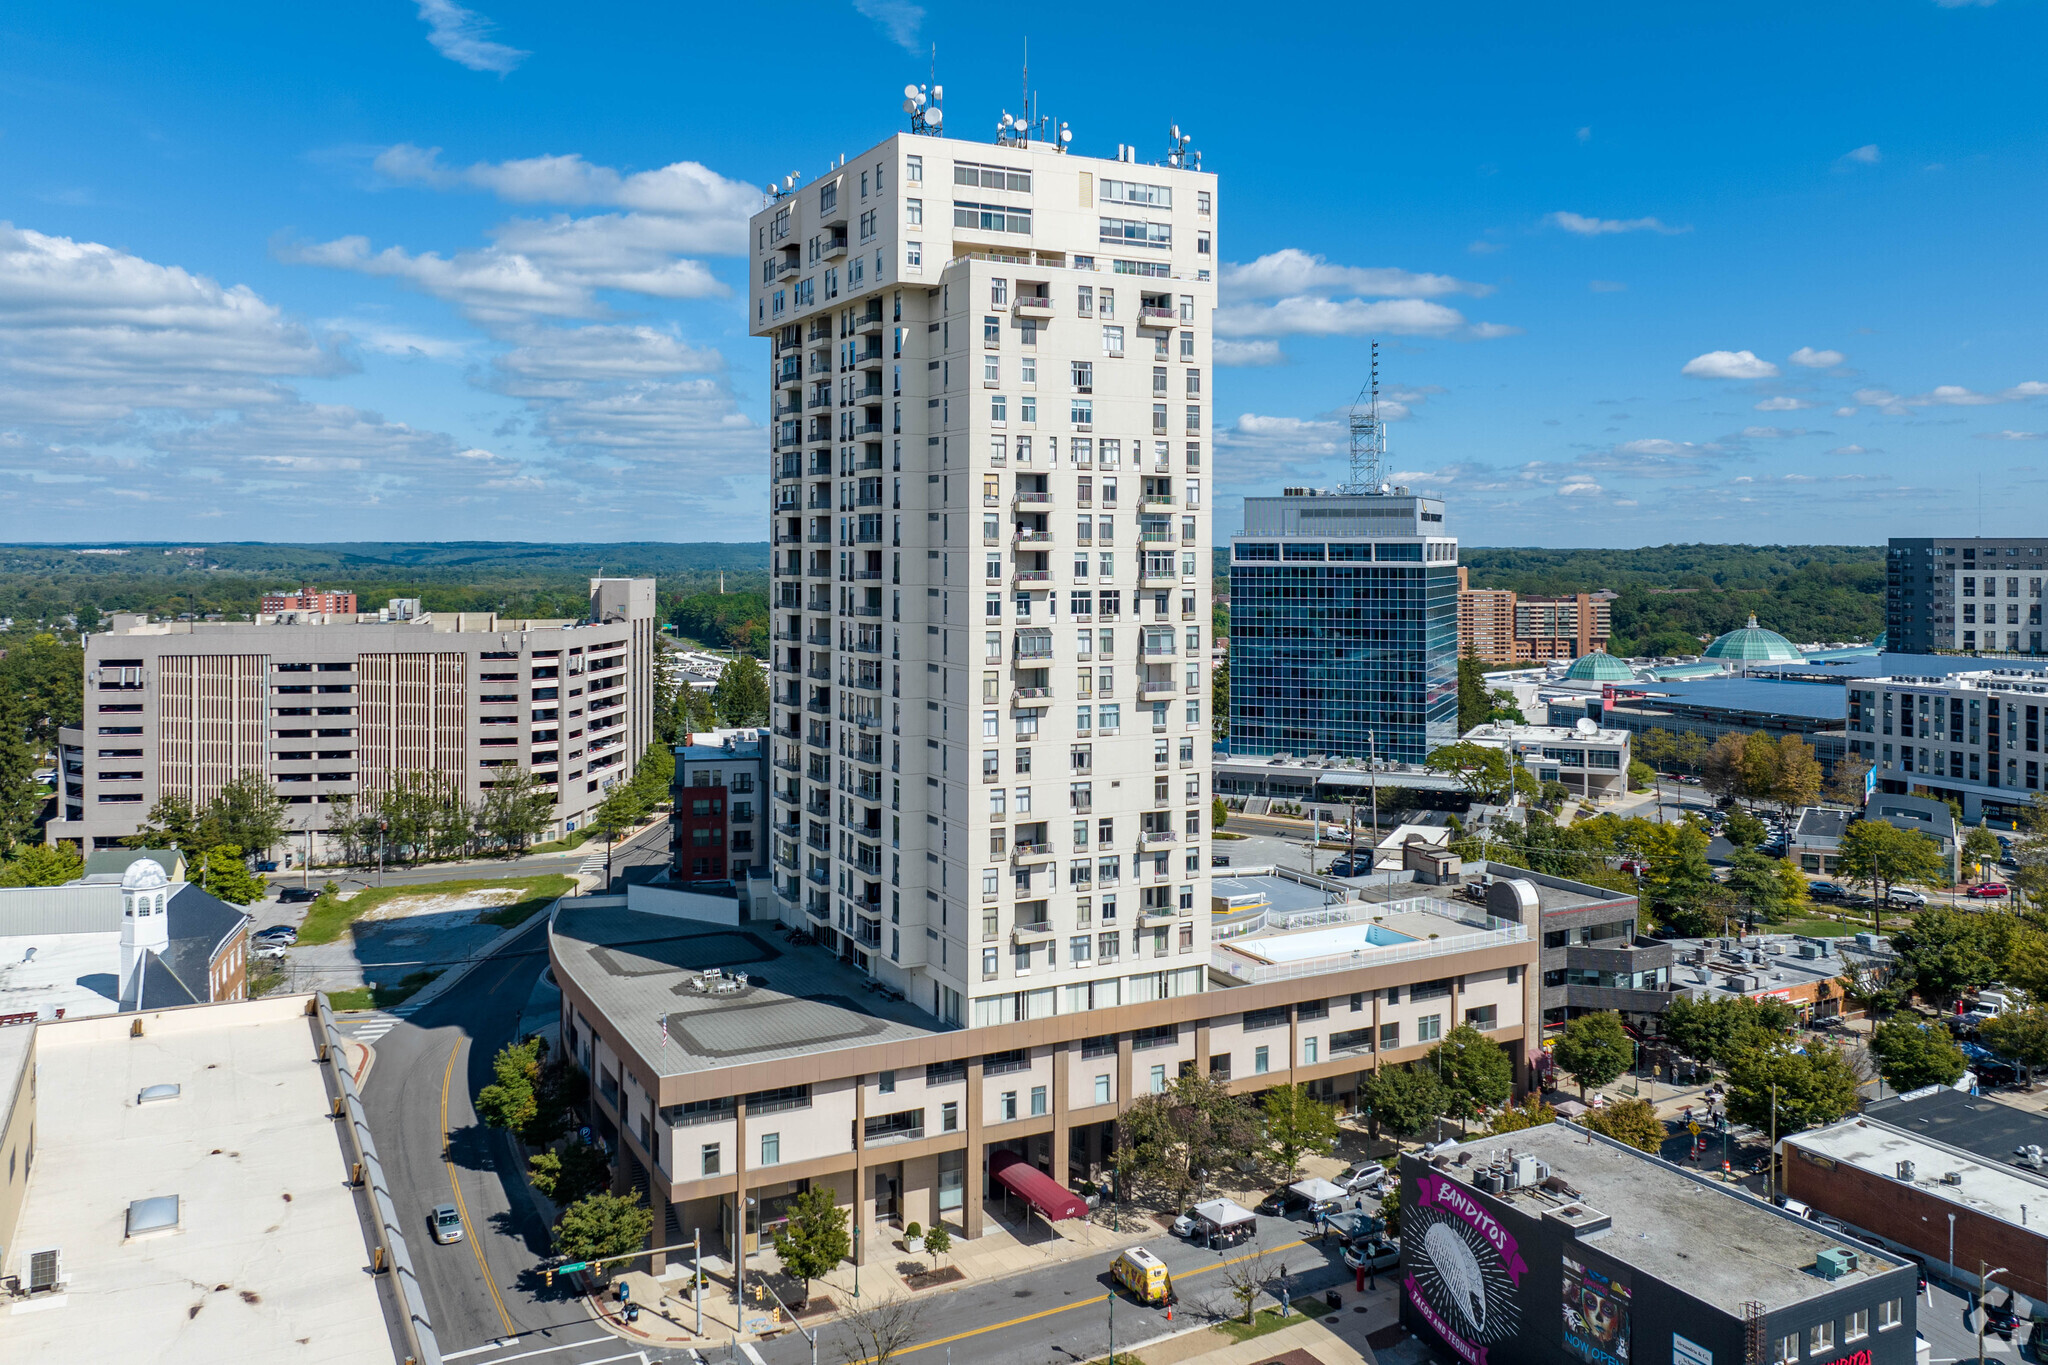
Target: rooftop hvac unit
{"points": [[1952, 1178], [1489, 1181], [1526, 1170], [1905, 1170], [1835, 1262], [1809, 950]]}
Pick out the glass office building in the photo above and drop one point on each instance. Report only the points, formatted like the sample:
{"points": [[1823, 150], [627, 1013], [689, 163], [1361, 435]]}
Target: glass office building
{"points": [[1343, 627]]}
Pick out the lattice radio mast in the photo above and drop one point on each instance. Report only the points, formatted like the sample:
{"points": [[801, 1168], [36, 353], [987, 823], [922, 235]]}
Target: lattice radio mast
{"points": [[1368, 436]]}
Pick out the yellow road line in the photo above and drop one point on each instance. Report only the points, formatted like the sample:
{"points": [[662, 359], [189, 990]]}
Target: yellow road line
{"points": [[462, 1208], [1078, 1303]]}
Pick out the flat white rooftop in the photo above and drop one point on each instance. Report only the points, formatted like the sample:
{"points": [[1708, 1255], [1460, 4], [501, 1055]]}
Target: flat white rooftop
{"points": [[1995, 1190], [267, 1259], [79, 974]]}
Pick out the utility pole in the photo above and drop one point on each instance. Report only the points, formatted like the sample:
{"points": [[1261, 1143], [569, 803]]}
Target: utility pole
{"points": [[1983, 1288], [697, 1276], [1771, 1180]]}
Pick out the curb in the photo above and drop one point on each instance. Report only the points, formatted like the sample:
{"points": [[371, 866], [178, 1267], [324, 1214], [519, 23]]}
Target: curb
{"points": [[448, 979]]}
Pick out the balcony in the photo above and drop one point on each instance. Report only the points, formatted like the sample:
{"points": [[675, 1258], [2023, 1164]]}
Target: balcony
{"points": [[1032, 499], [1031, 696], [1031, 576], [1158, 317], [1023, 855], [1157, 840], [1148, 579], [822, 877], [834, 249], [1024, 537], [1037, 307], [1152, 649], [787, 267], [1039, 931], [1157, 691], [868, 322], [1156, 501]]}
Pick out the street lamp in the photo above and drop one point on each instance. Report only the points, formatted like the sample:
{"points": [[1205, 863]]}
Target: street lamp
{"points": [[1983, 1288]]}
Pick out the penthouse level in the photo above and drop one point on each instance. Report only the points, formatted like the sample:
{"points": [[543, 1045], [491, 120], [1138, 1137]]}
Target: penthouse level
{"points": [[730, 1066]]}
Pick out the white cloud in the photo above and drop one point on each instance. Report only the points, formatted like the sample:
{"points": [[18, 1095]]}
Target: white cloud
{"points": [[1338, 317], [1782, 404], [1657, 446], [1483, 248], [1491, 331], [1729, 365], [91, 336], [899, 19], [1816, 360], [384, 339], [1248, 353], [1579, 487], [1848, 450], [1599, 227], [1605, 286], [1845, 412], [2012, 435], [1866, 155], [460, 35], [1948, 396], [1965, 4], [1292, 271], [1585, 134], [1772, 433]]}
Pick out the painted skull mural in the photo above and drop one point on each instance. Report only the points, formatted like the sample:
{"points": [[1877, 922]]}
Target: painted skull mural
{"points": [[1464, 1269]]}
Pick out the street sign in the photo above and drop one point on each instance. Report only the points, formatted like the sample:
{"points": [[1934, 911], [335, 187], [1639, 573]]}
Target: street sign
{"points": [[1693, 1128], [573, 1265]]}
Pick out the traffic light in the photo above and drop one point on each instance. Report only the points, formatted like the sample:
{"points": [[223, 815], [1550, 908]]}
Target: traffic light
{"points": [[760, 1293]]}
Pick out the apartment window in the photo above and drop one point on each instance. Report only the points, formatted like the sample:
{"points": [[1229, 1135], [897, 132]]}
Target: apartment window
{"points": [[707, 1157], [1484, 1018], [913, 257], [1113, 341], [1429, 1028], [913, 170], [1159, 1080], [991, 332], [1037, 1101], [1856, 1326], [1102, 1089], [1890, 1314], [771, 1149], [1308, 1051], [1788, 1350], [1390, 1036], [886, 1082], [1261, 1061], [1202, 243], [988, 962], [1820, 1337], [949, 1117], [1008, 1105], [1194, 418], [1194, 384], [1081, 412]]}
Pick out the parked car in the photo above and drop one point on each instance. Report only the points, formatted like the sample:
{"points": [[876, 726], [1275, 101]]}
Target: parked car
{"points": [[1826, 891], [292, 895], [268, 952], [1185, 1225], [282, 934], [1219, 860], [2037, 1335], [1902, 895], [445, 1223], [1285, 1203], [1364, 1177], [1347, 867], [1378, 1254], [1988, 891]]}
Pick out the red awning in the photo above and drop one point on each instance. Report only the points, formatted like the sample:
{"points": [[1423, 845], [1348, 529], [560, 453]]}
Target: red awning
{"points": [[1036, 1188]]}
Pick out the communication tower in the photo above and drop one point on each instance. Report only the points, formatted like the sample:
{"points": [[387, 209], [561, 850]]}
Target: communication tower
{"points": [[1368, 436]]}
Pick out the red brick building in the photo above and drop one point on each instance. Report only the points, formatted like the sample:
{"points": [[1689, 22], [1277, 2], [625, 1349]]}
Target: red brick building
{"points": [[310, 599]]}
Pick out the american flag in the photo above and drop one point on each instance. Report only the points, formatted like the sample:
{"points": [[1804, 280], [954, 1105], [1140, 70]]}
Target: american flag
{"points": [[662, 1020]]}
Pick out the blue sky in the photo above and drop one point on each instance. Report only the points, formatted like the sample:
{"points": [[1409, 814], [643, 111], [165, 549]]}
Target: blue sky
{"points": [[408, 269]]}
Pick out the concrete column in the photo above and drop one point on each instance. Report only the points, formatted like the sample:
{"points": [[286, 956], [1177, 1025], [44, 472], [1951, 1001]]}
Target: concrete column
{"points": [[657, 1200], [971, 1176], [1123, 1072], [1062, 1054], [1201, 1047], [739, 1180], [863, 1225]]}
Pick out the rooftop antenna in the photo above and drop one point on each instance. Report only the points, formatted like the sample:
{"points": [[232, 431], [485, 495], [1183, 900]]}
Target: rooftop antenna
{"points": [[1368, 436], [922, 102]]}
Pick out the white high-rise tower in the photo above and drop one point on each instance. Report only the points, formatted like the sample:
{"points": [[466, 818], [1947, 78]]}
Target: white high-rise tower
{"points": [[991, 591]]}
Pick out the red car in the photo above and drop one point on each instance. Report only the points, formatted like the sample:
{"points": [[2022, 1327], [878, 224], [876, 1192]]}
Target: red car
{"points": [[1989, 891]]}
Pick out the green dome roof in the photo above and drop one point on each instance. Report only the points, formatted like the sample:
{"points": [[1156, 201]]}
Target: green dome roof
{"points": [[1599, 666], [1879, 642], [1753, 644]]}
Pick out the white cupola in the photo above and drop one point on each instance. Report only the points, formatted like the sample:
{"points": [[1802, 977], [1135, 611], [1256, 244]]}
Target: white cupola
{"points": [[145, 916]]}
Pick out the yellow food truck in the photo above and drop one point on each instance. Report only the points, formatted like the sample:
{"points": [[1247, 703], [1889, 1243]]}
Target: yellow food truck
{"points": [[1144, 1274]]}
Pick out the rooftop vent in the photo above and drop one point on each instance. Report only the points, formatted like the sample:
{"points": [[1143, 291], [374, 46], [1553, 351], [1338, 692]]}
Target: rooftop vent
{"points": [[157, 1214], [1905, 1170], [1835, 1262], [1952, 1178], [1579, 1219], [152, 1094]]}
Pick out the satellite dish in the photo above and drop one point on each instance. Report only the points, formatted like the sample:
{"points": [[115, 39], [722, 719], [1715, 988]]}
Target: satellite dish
{"points": [[935, 117], [910, 92], [1176, 130], [1066, 135], [910, 106], [938, 92]]}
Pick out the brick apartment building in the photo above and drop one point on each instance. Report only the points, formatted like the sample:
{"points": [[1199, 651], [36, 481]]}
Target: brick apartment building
{"points": [[1501, 626], [310, 599]]}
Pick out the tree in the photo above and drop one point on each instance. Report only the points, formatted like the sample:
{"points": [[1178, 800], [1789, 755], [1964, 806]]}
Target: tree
{"points": [[225, 876], [1640, 776], [1847, 784], [568, 1173], [815, 1237], [1484, 771], [1911, 1054], [1945, 954], [1404, 1098], [1720, 1028], [1811, 1088], [1295, 1124], [1532, 1112], [1195, 1125], [2021, 1035], [43, 682], [937, 1242], [43, 865], [603, 1227], [1758, 773], [620, 810], [516, 810], [21, 796], [1632, 1121], [247, 813], [701, 714], [1881, 855], [1245, 1278], [511, 1101], [1981, 846], [1474, 705], [741, 695], [876, 1330], [1770, 886], [1798, 777], [1219, 813], [1477, 1072], [1744, 830], [1219, 702], [1722, 765], [171, 823], [1593, 1049]]}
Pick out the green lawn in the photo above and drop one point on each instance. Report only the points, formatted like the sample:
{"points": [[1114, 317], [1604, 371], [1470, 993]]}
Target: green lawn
{"points": [[1266, 1320], [380, 997], [567, 843], [330, 917]]}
